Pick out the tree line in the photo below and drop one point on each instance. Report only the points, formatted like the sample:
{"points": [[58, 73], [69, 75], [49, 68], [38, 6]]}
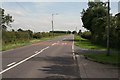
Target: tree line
{"points": [[94, 19], [24, 35]]}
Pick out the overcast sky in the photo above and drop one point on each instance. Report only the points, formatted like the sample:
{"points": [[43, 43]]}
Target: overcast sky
{"points": [[36, 16]]}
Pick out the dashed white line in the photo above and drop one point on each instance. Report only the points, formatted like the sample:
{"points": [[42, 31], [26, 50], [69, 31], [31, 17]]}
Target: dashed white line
{"points": [[23, 61], [73, 49], [53, 44], [11, 64]]}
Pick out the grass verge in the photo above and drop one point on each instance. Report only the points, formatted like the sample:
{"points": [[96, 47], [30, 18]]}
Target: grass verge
{"points": [[102, 58], [24, 43], [86, 44]]}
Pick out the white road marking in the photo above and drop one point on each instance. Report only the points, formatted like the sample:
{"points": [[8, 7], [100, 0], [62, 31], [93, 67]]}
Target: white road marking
{"points": [[65, 43], [73, 45], [11, 64], [36, 51], [45, 48], [62, 43], [53, 44], [73, 49], [23, 61], [77, 55], [73, 55]]}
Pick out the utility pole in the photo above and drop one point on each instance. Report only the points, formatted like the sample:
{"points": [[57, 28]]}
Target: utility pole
{"points": [[53, 23], [108, 30]]}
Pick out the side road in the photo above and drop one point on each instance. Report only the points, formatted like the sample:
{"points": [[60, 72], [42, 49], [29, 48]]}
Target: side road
{"points": [[90, 69]]}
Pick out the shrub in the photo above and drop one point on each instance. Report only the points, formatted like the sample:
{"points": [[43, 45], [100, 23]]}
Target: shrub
{"points": [[86, 35]]}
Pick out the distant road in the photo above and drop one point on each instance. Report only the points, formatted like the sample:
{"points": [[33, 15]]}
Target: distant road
{"points": [[53, 58]]}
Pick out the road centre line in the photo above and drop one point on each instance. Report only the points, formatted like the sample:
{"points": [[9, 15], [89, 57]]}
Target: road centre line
{"points": [[23, 60], [11, 64]]}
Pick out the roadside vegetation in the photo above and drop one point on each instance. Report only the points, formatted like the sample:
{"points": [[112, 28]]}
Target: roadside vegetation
{"points": [[113, 58], [87, 44], [102, 58], [94, 19], [16, 38]]}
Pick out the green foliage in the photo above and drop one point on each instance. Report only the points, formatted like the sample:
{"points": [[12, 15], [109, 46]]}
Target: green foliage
{"points": [[23, 36], [37, 35], [61, 32], [94, 19], [5, 20], [87, 44], [74, 32], [86, 35], [102, 58]]}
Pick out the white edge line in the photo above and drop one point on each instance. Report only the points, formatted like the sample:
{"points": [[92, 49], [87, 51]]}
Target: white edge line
{"points": [[73, 44], [11, 64], [73, 48], [22, 61], [36, 51], [73, 55]]}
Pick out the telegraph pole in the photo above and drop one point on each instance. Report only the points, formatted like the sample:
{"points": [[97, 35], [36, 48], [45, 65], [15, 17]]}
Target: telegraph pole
{"points": [[53, 23], [108, 30]]}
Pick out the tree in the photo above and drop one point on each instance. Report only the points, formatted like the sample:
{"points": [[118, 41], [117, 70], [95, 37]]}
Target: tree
{"points": [[5, 19], [20, 30], [94, 19], [30, 33], [74, 32], [79, 33]]}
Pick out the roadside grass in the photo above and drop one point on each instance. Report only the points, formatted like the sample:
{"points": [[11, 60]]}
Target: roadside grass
{"points": [[14, 45], [86, 44], [25, 43], [103, 58], [97, 57]]}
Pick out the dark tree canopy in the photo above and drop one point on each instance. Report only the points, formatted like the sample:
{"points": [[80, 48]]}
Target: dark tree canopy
{"points": [[95, 19]]}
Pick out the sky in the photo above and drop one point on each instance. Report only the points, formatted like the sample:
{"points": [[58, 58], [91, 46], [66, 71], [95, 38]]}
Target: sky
{"points": [[37, 16]]}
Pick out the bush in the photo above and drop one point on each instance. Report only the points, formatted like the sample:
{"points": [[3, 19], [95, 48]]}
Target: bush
{"points": [[37, 35], [13, 37], [86, 35]]}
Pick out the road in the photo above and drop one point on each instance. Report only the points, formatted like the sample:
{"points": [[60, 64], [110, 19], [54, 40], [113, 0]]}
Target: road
{"points": [[52, 58]]}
